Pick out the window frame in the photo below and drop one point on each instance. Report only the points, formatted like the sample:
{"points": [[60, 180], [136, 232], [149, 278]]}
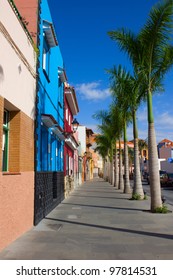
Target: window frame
{"points": [[46, 57], [5, 141]]}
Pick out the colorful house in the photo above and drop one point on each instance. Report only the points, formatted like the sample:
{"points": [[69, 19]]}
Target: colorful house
{"points": [[37, 109], [89, 164], [56, 104], [71, 142], [49, 123], [49, 136], [82, 153], [17, 114]]}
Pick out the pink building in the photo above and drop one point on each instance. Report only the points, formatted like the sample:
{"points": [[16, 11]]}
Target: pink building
{"points": [[71, 141]]}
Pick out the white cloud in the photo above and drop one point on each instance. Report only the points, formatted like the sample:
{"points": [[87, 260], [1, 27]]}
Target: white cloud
{"points": [[163, 126], [92, 91], [164, 121], [142, 115]]}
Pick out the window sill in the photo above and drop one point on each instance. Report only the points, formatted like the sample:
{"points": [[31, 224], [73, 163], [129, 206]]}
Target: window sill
{"points": [[11, 173]]}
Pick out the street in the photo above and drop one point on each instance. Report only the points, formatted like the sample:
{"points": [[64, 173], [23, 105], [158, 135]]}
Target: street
{"points": [[167, 192]]}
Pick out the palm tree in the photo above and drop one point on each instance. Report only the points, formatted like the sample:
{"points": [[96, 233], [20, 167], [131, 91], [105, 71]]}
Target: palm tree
{"points": [[125, 89], [152, 56], [131, 160], [142, 146], [117, 124], [108, 135], [131, 100], [102, 148]]}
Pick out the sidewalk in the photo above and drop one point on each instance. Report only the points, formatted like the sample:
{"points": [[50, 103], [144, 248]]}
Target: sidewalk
{"points": [[97, 222]]}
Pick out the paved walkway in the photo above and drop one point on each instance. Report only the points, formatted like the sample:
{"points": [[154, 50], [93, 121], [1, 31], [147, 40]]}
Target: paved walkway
{"points": [[97, 222]]}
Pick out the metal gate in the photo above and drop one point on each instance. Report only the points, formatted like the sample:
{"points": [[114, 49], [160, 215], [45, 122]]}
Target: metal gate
{"points": [[49, 192]]}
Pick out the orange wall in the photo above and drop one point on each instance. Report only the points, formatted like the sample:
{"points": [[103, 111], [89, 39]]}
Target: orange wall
{"points": [[16, 206]]}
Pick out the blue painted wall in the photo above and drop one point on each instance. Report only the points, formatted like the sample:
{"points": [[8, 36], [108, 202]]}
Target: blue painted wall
{"points": [[49, 148]]}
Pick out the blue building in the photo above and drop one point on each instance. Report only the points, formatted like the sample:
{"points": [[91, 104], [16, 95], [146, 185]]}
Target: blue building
{"points": [[49, 107], [49, 137]]}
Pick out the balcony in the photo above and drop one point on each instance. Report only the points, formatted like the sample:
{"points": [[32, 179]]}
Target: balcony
{"points": [[72, 100]]}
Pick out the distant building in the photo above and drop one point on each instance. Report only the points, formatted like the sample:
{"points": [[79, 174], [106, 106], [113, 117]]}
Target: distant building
{"points": [[82, 153], [165, 154]]}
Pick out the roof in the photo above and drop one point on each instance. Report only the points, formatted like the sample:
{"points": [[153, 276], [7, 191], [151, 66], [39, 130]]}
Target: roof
{"points": [[89, 130], [166, 141], [130, 144]]}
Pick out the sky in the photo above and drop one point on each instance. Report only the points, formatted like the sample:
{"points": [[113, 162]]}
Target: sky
{"points": [[81, 27]]}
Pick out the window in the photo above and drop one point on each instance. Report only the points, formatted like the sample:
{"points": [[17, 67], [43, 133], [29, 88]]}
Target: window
{"points": [[49, 41], [66, 114], [67, 164], [69, 120], [5, 141], [46, 57]]}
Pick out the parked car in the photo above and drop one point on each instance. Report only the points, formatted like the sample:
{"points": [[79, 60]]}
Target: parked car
{"points": [[163, 177], [145, 175], [170, 180]]}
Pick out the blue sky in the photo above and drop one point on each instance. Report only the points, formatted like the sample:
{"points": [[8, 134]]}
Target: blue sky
{"points": [[87, 50]]}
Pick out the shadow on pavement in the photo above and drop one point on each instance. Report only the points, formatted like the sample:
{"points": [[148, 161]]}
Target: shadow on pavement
{"points": [[153, 234], [98, 206], [93, 196]]}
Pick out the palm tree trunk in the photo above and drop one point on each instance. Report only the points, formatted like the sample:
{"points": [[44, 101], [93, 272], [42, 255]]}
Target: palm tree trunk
{"points": [[121, 181], [127, 188], [116, 168], [155, 189], [111, 166], [137, 188]]}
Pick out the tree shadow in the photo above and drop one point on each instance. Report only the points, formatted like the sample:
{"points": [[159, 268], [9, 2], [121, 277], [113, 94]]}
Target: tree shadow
{"points": [[145, 233], [93, 196], [104, 207]]}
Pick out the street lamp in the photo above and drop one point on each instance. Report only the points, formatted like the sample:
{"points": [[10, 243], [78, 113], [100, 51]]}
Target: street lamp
{"points": [[75, 125]]}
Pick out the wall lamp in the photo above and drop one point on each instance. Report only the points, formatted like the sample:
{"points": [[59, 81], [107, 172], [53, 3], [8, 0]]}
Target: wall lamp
{"points": [[75, 125]]}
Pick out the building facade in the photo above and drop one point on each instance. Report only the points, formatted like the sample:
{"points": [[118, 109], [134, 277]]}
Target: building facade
{"points": [[71, 169], [51, 143], [82, 153], [17, 114], [37, 107], [165, 153], [49, 137]]}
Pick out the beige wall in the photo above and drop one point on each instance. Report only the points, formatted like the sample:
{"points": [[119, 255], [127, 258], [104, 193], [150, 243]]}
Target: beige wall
{"points": [[17, 61]]}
